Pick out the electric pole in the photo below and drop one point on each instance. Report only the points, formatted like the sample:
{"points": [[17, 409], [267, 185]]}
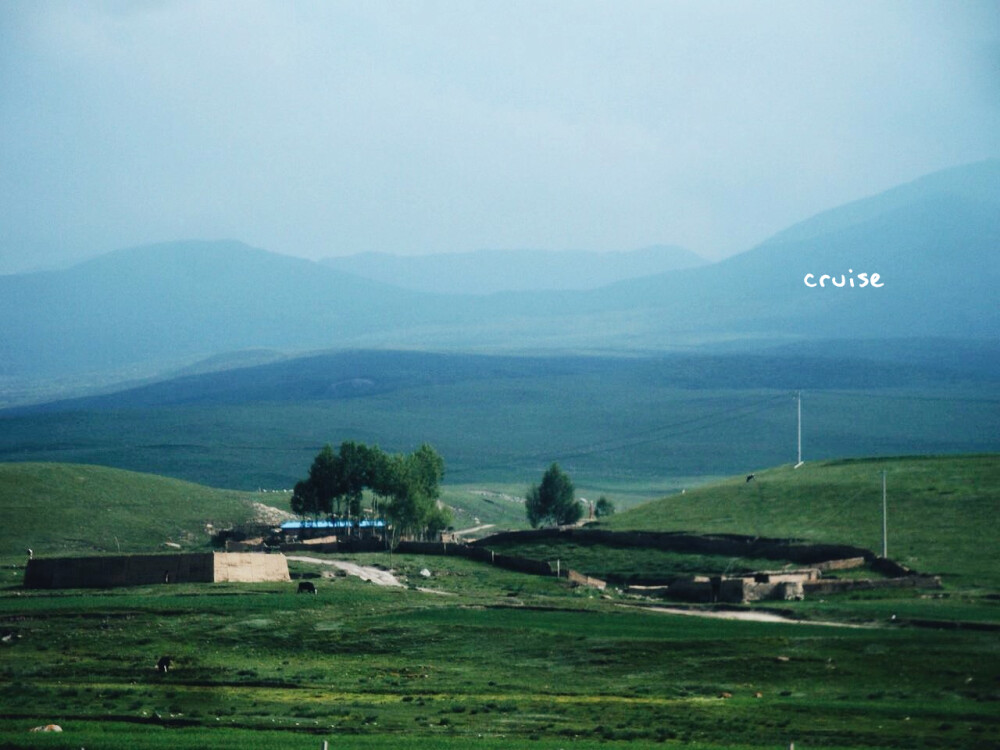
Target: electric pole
{"points": [[798, 398], [885, 537]]}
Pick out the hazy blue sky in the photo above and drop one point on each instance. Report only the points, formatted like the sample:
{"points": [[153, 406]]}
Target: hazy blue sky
{"points": [[328, 128]]}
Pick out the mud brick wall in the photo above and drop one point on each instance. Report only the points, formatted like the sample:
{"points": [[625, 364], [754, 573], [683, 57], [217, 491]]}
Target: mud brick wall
{"points": [[250, 567], [118, 570], [141, 570], [730, 545]]}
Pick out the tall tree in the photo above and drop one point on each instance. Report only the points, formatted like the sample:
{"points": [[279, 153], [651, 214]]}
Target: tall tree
{"points": [[354, 474], [324, 478], [304, 499], [416, 478], [553, 501]]}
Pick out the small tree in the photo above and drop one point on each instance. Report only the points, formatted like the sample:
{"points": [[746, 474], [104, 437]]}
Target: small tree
{"points": [[604, 507], [553, 500]]}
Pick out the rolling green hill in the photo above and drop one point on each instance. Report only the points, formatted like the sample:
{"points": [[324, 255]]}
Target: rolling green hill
{"points": [[66, 508], [655, 421], [941, 510]]}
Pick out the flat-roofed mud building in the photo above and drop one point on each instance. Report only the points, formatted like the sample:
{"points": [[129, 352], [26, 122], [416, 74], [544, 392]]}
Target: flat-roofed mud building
{"points": [[141, 570]]}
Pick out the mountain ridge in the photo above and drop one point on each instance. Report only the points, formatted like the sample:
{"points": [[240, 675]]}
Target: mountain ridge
{"points": [[494, 271], [166, 305]]}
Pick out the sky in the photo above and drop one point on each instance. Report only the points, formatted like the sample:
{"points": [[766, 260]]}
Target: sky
{"points": [[330, 128]]}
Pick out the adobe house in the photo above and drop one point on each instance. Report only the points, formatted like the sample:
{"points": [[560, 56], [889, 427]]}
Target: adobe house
{"points": [[780, 585], [141, 570]]}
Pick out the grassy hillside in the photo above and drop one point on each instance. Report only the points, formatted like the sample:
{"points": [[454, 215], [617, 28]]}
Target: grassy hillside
{"points": [[65, 508], [941, 510], [609, 422]]}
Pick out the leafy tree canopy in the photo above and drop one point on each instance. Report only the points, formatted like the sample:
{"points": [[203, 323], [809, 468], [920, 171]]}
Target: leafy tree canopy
{"points": [[604, 507]]}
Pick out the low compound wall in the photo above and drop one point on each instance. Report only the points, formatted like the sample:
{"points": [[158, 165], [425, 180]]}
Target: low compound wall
{"points": [[730, 545], [139, 570], [835, 586]]}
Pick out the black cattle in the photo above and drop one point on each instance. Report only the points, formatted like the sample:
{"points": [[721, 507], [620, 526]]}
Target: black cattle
{"points": [[306, 587], [750, 477], [163, 665]]}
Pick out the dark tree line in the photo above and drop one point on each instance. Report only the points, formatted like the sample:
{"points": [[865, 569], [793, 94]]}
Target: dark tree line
{"points": [[404, 487]]}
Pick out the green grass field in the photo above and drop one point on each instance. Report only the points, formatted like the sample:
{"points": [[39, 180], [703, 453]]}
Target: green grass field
{"points": [[491, 658], [494, 659]]}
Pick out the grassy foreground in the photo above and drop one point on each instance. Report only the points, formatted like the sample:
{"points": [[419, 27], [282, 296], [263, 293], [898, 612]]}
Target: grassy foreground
{"points": [[484, 658]]}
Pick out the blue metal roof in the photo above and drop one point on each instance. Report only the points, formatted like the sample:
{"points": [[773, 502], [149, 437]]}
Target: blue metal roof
{"points": [[327, 524]]}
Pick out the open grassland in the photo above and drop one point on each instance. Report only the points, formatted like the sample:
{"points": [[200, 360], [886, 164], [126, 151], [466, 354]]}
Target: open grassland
{"points": [[942, 510], [487, 658]]}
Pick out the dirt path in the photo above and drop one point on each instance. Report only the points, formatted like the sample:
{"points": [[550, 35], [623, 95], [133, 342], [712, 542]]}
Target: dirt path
{"points": [[474, 529], [364, 572], [749, 616]]}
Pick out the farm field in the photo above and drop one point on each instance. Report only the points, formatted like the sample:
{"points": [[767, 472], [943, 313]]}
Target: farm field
{"points": [[484, 658]]}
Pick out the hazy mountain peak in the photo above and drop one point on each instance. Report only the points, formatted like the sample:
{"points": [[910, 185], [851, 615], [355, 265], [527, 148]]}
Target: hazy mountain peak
{"points": [[977, 182]]}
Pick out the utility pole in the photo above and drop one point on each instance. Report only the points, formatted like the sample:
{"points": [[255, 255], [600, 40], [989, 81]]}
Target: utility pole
{"points": [[885, 536], [798, 398]]}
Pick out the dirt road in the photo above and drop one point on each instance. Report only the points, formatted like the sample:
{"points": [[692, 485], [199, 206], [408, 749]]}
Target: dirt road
{"points": [[364, 572], [749, 616]]}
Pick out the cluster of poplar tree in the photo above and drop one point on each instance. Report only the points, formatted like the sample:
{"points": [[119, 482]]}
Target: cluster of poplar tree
{"points": [[404, 488]]}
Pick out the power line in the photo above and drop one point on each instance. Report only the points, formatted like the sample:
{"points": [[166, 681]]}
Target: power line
{"points": [[891, 397], [652, 435]]}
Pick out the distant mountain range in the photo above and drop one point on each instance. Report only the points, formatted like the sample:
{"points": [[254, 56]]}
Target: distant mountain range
{"points": [[491, 271], [934, 243]]}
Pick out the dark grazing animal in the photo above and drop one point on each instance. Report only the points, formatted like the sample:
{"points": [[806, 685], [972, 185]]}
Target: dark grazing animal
{"points": [[163, 665], [750, 477], [307, 587]]}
